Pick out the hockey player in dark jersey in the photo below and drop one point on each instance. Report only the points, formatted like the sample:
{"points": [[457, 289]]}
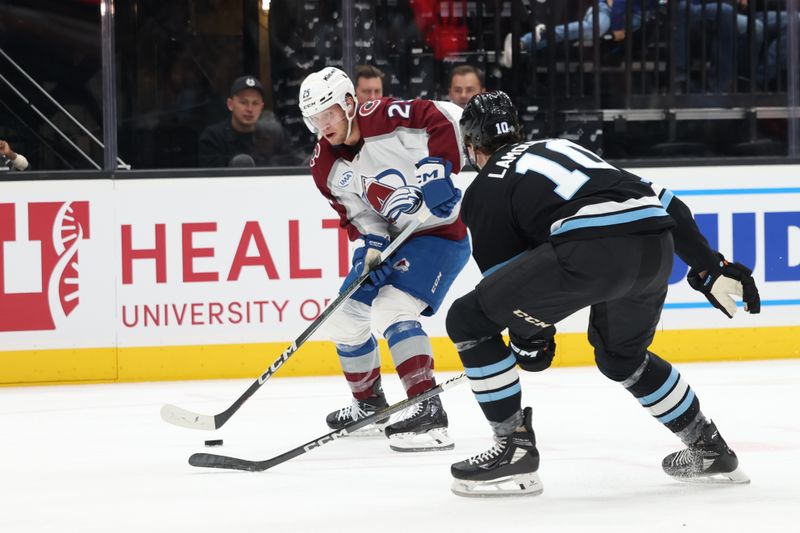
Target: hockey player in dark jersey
{"points": [[555, 229]]}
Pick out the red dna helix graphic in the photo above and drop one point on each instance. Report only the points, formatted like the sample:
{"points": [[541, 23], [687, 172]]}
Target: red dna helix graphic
{"points": [[39, 281]]}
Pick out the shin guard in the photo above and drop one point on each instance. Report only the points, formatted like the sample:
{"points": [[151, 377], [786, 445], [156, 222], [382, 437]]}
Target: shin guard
{"points": [[661, 390], [361, 365], [492, 372], [412, 355]]}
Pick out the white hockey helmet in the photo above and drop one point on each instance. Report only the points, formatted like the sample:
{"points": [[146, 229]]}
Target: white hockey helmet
{"points": [[324, 88]]}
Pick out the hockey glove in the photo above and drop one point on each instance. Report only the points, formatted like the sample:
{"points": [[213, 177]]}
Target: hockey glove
{"points": [[438, 191], [723, 280], [367, 258], [378, 274], [533, 355], [369, 255]]}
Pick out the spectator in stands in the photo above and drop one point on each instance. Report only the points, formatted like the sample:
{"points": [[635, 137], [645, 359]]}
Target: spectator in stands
{"points": [[465, 82], [369, 83], [777, 34], [250, 137], [272, 143], [571, 31], [619, 10], [720, 18], [9, 160], [730, 27]]}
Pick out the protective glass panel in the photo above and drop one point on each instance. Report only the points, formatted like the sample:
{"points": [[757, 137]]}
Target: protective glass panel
{"points": [[51, 108]]}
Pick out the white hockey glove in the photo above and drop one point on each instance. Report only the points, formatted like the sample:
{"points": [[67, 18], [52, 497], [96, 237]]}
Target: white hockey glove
{"points": [[724, 280]]}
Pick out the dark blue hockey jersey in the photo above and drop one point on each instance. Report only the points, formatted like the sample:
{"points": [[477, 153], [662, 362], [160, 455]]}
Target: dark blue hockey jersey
{"points": [[554, 190]]}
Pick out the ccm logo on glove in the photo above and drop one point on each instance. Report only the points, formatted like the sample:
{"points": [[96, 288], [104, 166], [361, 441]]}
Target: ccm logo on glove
{"points": [[438, 192], [533, 355]]}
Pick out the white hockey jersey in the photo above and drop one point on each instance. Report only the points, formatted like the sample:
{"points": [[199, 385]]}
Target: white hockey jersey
{"points": [[373, 185]]}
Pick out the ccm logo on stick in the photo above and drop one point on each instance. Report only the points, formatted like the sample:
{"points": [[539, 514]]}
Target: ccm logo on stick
{"points": [[279, 363], [327, 438]]}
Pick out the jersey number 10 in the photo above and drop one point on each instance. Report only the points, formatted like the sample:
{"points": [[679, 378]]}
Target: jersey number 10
{"points": [[567, 181]]}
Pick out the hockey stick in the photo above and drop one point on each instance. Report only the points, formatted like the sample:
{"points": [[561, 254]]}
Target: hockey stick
{"points": [[182, 417], [210, 460]]}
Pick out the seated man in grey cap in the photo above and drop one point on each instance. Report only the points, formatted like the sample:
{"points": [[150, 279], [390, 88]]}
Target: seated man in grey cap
{"points": [[250, 137]]}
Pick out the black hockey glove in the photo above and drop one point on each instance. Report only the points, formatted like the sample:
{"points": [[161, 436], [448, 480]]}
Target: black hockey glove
{"points": [[723, 280], [533, 355]]}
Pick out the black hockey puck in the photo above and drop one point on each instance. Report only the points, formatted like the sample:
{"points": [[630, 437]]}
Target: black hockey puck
{"points": [[214, 442]]}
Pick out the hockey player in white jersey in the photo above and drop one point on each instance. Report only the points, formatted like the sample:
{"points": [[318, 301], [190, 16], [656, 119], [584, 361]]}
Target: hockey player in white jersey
{"points": [[371, 164]]}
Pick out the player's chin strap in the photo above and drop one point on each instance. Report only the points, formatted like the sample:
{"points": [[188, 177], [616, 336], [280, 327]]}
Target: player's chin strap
{"points": [[349, 118], [470, 151], [474, 161]]}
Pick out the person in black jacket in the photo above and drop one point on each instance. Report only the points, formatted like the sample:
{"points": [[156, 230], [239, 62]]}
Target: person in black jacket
{"points": [[555, 229], [250, 137]]}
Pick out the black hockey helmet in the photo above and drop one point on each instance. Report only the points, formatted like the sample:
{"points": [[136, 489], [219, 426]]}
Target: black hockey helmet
{"points": [[489, 121]]}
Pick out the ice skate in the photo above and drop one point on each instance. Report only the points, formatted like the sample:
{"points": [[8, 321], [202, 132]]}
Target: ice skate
{"points": [[424, 429], [708, 460], [509, 468], [359, 409]]}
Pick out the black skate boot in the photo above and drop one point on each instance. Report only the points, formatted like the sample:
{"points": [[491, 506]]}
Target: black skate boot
{"points": [[359, 409], [507, 469], [709, 460], [424, 429]]}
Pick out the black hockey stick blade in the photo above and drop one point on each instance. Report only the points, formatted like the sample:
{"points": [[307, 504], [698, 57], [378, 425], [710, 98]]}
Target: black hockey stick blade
{"points": [[188, 419], [210, 460]]}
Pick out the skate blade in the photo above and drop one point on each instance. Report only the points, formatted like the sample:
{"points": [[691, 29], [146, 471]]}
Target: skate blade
{"points": [[432, 440], [736, 477], [516, 485]]}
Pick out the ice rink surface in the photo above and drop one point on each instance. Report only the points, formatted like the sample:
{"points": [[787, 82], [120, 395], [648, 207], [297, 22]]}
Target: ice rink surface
{"points": [[98, 458]]}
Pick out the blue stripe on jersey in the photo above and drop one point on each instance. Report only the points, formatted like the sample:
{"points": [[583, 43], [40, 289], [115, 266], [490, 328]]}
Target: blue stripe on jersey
{"points": [[356, 351], [485, 397], [682, 408], [666, 198], [720, 192], [490, 370], [662, 390], [611, 220], [498, 266]]}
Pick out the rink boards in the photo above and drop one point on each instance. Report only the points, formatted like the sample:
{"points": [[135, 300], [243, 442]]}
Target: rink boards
{"points": [[187, 278]]}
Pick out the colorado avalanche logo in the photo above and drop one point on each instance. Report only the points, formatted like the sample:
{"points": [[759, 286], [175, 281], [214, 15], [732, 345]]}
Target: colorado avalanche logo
{"points": [[403, 265], [390, 195]]}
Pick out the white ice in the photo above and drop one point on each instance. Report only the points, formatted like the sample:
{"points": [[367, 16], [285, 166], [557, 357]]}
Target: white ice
{"points": [[98, 458]]}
